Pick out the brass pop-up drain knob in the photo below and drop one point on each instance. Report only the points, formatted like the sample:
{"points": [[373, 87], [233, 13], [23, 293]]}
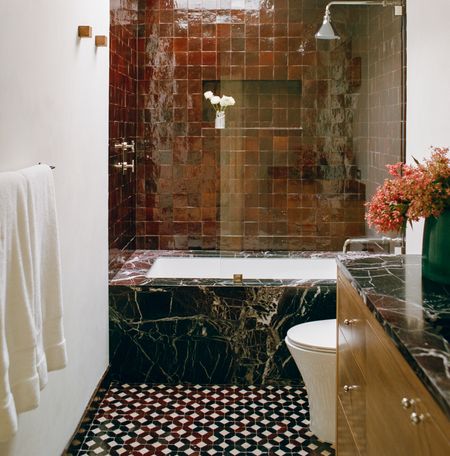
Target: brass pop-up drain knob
{"points": [[237, 278]]}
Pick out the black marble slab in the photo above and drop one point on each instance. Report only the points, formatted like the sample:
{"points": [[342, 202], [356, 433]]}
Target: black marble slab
{"points": [[209, 331], [204, 334], [414, 312], [135, 265]]}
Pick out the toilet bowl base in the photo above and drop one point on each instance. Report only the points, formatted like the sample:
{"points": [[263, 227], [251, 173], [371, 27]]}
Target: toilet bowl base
{"points": [[318, 370]]}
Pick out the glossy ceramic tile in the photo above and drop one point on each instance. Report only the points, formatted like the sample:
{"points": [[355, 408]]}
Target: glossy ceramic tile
{"points": [[281, 176], [123, 79]]}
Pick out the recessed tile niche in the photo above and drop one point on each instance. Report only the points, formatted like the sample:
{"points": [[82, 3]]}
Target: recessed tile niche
{"points": [[259, 103]]}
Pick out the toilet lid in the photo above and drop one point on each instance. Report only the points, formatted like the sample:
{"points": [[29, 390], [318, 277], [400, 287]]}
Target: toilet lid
{"points": [[314, 335]]}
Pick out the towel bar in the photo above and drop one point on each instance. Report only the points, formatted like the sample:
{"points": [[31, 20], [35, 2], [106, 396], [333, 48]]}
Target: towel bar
{"points": [[51, 166]]}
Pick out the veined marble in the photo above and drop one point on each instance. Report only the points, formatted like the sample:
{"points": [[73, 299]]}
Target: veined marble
{"points": [[414, 312], [135, 265], [208, 331]]}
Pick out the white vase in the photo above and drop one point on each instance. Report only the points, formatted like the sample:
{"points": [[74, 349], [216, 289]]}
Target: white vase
{"points": [[220, 119]]}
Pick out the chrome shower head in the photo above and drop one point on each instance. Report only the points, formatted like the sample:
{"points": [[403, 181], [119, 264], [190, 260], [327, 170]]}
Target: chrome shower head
{"points": [[326, 31]]}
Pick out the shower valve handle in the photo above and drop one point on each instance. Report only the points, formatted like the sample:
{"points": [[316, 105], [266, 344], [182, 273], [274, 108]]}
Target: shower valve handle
{"points": [[125, 146], [126, 166], [130, 146]]}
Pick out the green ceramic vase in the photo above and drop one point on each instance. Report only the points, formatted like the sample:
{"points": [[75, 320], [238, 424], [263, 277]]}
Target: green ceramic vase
{"points": [[436, 248]]}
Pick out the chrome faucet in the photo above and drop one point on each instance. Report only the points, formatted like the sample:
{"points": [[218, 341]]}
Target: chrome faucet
{"points": [[396, 242]]}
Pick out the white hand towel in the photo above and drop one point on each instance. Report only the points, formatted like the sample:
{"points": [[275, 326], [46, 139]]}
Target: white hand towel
{"points": [[18, 376], [46, 270], [8, 416]]}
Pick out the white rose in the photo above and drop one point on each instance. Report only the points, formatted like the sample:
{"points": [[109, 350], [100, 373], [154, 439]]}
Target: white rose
{"points": [[215, 100], [231, 101], [208, 95], [227, 101]]}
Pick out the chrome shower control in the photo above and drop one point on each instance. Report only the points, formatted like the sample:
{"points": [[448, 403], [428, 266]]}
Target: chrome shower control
{"points": [[127, 146], [123, 146], [124, 166]]}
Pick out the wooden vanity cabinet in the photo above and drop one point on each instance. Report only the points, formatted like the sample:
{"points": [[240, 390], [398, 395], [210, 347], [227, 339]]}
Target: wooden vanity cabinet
{"points": [[383, 409]]}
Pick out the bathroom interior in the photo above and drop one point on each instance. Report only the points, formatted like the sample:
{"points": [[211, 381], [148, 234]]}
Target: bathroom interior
{"points": [[216, 286]]}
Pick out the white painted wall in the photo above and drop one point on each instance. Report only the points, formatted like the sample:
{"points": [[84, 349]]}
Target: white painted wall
{"points": [[54, 109], [428, 86]]}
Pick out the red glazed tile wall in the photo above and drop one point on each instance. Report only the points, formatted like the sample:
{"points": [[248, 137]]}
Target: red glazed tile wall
{"points": [[386, 74], [379, 116], [122, 121], [287, 171], [281, 175]]}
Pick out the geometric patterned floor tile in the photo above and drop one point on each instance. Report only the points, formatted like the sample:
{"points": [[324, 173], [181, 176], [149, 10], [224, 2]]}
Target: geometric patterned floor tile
{"points": [[198, 420]]}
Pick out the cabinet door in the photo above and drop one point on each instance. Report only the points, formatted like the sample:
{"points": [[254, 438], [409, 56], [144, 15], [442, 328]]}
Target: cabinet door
{"points": [[389, 428], [345, 442], [384, 379], [351, 320], [351, 393], [433, 438]]}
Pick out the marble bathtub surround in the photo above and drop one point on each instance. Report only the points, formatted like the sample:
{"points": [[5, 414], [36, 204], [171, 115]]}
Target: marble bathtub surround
{"points": [[210, 334], [116, 261], [414, 312], [131, 267], [209, 331]]}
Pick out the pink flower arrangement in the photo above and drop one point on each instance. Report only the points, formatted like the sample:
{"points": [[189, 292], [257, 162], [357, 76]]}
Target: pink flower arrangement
{"points": [[420, 190]]}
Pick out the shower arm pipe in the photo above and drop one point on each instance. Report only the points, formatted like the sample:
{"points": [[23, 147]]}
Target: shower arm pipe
{"points": [[366, 3]]}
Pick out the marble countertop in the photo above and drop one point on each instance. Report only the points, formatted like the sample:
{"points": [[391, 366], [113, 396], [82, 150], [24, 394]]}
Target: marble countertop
{"points": [[414, 312]]}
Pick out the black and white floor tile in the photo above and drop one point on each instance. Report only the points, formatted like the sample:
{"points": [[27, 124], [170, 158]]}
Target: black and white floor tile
{"points": [[140, 419]]}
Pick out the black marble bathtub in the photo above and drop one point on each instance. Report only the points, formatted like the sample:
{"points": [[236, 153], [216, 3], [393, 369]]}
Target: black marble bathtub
{"points": [[214, 331]]}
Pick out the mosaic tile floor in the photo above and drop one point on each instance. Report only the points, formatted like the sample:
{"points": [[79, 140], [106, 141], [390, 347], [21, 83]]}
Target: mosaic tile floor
{"points": [[140, 419]]}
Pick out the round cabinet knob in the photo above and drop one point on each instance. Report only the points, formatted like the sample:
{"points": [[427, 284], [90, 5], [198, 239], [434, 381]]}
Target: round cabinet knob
{"points": [[415, 418], [348, 388], [348, 322], [407, 403]]}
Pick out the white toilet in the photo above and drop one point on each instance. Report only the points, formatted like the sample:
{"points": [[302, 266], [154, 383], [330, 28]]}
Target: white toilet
{"points": [[313, 347]]}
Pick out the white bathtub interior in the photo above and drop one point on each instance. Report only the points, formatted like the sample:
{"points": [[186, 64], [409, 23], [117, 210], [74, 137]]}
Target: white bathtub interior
{"points": [[250, 268]]}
